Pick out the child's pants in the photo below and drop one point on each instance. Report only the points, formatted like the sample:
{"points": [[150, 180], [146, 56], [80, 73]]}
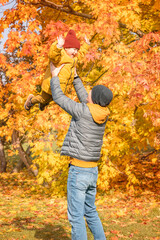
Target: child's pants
{"points": [[43, 99]]}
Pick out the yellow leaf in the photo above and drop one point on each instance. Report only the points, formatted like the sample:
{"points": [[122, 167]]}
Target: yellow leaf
{"points": [[33, 208], [154, 160]]}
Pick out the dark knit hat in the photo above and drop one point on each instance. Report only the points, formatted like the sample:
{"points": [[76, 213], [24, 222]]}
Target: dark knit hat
{"points": [[71, 40], [101, 95]]}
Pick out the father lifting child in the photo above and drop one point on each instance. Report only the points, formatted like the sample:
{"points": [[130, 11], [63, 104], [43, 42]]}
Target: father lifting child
{"points": [[83, 144]]}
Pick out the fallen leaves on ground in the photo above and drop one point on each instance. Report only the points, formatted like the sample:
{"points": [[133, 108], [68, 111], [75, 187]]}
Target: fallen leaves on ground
{"points": [[28, 215]]}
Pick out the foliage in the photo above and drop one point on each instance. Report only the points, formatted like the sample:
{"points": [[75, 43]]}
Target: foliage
{"points": [[124, 55]]}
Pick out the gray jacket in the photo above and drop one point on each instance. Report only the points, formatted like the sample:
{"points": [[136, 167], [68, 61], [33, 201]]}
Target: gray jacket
{"points": [[84, 138]]}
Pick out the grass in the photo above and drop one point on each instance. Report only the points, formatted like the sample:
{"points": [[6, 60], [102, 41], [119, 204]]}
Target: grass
{"points": [[28, 215]]}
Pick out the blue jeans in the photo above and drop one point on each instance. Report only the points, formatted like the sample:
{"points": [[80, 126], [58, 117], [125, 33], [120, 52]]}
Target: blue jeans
{"points": [[81, 192]]}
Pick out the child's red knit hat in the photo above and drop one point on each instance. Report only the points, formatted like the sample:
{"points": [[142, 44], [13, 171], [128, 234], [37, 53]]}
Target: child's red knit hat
{"points": [[71, 40]]}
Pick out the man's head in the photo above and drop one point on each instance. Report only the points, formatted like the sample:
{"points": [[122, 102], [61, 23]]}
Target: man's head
{"points": [[71, 44], [100, 95]]}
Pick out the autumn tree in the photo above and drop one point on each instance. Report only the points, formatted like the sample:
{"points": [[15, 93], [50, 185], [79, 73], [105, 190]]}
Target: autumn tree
{"points": [[124, 55]]}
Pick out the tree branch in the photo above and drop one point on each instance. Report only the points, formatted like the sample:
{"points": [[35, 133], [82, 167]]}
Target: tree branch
{"points": [[63, 8], [138, 32], [100, 76]]}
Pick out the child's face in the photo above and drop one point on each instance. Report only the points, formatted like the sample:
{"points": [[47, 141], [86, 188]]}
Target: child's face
{"points": [[72, 52]]}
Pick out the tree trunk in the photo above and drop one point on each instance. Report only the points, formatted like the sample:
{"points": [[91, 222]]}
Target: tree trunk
{"points": [[19, 166], [3, 161], [20, 163], [23, 156]]}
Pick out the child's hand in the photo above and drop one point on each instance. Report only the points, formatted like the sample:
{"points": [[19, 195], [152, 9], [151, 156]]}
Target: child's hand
{"points": [[55, 70], [61, 41], [87, 40]]}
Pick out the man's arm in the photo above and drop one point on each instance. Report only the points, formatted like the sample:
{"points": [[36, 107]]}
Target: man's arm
{"points": [[73, 108], [80, 89]]}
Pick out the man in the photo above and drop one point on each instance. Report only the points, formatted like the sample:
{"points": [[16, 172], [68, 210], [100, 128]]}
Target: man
{"points": [[83, 144]]}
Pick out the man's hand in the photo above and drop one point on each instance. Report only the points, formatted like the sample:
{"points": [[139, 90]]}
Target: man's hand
{"points": [[75, 72], [55, 71], [61, 41]]}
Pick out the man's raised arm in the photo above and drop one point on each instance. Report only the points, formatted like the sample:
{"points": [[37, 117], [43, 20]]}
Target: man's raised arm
{"points": [[73, 108], [79, 88]]}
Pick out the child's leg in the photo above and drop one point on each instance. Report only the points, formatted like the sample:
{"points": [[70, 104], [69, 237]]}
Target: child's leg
{"points": [[28, 103], [42, 99]]}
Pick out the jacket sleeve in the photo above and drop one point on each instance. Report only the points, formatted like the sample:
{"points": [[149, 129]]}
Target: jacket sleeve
{"points": [[83, 50], [54, 53], [73, 108], [80, 90]]}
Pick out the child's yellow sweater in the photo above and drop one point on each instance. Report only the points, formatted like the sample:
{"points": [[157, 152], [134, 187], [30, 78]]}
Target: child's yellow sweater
{"points": [[59, 56]]}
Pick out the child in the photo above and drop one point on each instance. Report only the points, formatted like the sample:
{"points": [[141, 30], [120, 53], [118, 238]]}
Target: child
{"points": [[62, 52]]}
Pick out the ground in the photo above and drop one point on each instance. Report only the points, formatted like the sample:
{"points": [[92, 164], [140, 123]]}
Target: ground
{"points": [[30, 215]]}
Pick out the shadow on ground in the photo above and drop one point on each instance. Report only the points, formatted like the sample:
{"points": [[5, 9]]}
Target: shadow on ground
{"points": [[51, 232], [42, 231]]}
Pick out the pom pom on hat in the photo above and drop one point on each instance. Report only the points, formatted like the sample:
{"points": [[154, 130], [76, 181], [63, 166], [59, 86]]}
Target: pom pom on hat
{"points": [[71, 40], [101, 95]]}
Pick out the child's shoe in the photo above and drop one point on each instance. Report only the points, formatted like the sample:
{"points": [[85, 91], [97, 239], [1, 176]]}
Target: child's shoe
{"points": [[28, 103]]}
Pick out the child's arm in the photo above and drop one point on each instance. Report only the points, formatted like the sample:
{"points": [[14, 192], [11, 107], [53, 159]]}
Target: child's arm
{"points": [[55, 50], [83, 50]]}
